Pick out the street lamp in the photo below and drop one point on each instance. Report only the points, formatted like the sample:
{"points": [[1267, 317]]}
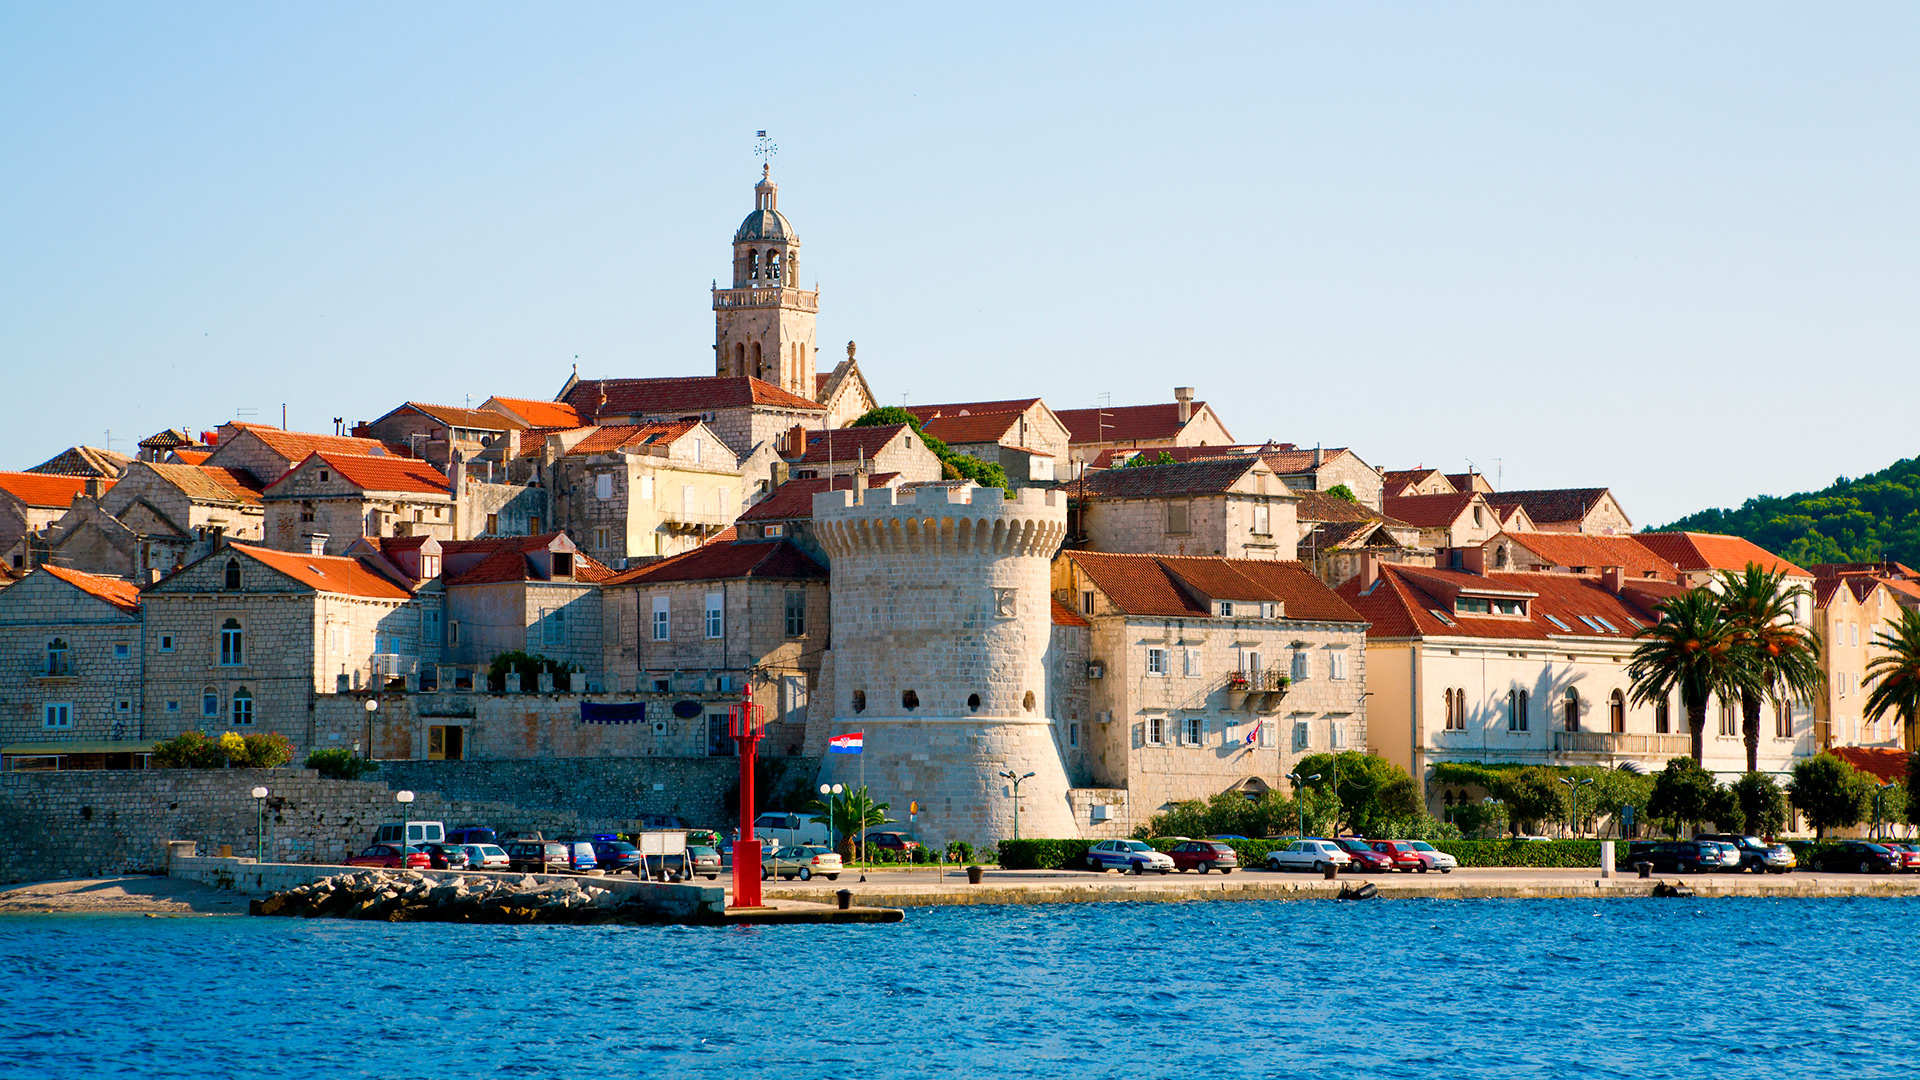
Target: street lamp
{"points": [[373, 706], [1298, 804], [827, 792], [1573, 800], [405, 799], [259, 817], [1009, 774]]}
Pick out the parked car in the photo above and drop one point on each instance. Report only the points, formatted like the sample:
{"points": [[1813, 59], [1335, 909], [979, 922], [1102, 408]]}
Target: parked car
{"points": [[1861, 856], [387, 855], [1363, 855], [1203, 856], [1676, 856], [485, 856], [703, 860], [445, 856], [1136, 856], [417, 832], [1311, 854], [660, 822], [1909, 854], [472, 834], [897, 842], [802, 862], [1756, 854], [1402, 854], [616, 856], [549, 856], [1433, 857], [1227, 836], [704, 837]]}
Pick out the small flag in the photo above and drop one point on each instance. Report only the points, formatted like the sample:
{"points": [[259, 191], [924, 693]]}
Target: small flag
{"points": [[1253, 733], [762, 133], [850, 743]]}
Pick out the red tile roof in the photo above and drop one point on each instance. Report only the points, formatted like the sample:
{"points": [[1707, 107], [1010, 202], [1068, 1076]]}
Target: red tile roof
{"points": [[1711, 551], [679, 396], [210, 483], [1556, 506], [45, 491], [847, 444], [1591, 553], [1207, 476], [189, 457], [508, 558], [454, 416], [556, 414], [1066, 616], [1410, 601], [973, 408], [381, 474], [1173, 585], [295, 446], [1428, 511], [1126, 423], [976, 428], [124, 595], [1888, 568], [718, 562], [1397, 480], [608, 438], [327, 573], [1320, 506], [793, 500], [1884, 763]]}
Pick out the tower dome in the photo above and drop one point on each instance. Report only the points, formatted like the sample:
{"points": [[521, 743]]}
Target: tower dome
{"points": [[766, 224]]}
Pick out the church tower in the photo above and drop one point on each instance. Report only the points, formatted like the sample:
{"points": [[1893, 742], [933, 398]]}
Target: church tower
{"points": [[763, 325]]}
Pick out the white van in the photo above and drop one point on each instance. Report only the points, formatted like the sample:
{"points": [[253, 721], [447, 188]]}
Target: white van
{"points": [[789, 828], [418, 832]]}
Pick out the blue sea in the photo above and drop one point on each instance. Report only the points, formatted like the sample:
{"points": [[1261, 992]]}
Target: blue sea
{"points": [[1384, 988]]}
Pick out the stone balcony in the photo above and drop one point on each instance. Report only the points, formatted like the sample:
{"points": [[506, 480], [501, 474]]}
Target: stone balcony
{"points": [[1622, 744], [772, 296]]}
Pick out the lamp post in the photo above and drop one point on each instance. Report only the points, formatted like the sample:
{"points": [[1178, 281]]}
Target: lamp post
{"points": [[1300, 806], [1573, 801], [827, 792], [1009, 774], [405, 799], [373, 706], [259, 820]]}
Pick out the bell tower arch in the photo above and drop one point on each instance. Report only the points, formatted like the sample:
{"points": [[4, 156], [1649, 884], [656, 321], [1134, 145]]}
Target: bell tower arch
{"points": [[763, 322]]}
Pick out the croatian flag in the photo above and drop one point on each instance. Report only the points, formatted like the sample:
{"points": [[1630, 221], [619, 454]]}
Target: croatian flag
{"points": [[1253, 733], [850, 743]]}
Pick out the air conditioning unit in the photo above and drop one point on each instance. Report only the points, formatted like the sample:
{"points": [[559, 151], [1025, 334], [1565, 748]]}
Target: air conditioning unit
{"points": [[1101, 812], [1103, 717], [1096, 669]]}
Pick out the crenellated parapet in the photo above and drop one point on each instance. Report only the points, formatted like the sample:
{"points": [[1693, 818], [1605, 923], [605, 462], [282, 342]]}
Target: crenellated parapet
{"points": [[938, 520]]}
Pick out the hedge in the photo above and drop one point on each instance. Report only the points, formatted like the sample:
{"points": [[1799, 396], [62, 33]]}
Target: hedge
{"points": [[1545, 853], [1071, 854]]}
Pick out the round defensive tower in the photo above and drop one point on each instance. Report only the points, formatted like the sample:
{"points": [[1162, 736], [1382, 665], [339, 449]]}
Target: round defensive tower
{"points": [[941, 619]]}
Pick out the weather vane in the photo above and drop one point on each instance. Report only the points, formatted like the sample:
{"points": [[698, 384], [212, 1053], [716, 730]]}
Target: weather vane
{"points": [[765, 148]]}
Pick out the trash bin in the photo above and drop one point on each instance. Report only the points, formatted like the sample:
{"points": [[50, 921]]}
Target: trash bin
{"points": [[844, 898], [1645, 868], [1330, 872], [973, 874]]}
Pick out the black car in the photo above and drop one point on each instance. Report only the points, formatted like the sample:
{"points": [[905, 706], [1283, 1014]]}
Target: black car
{"points": [[1755, 854], [1859, 856], [445, 856], [1675, 856]]}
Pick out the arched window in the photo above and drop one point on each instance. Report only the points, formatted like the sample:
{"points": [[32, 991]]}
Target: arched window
{"points": [[59, 662], [739, 358], [1782, 720], [1617, 710], [773, 266], [210, 702], [1662, 717], [759, 369], [242, 714], [1573, 709], [753, 266], [233, 574], [232, 647], [1728, 726]]}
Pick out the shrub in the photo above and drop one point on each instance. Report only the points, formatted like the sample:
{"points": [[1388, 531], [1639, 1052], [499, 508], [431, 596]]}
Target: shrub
{"points": [[1044, 854], [268, 751], [955, 465], [1564, 853], [959, 851], [189, 750], [1830, 793], [194, 750], [339, 764], [528, 667]]}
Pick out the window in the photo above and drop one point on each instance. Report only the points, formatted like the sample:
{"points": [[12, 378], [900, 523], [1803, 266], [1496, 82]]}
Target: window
{"points": [[659, 618], [1193, 730], [1472, 605], [1177, 517], [242, 707], [1617, 711], [122, 651], [602, 538], [166, 642], [603, 486], [1572, 709], [57, 715], [1073, 734], [562, 564], [1728, 725], [173, 706], [1156, 661], [123, 706], [1782, 720], [1516, 709], [1302, 735], [533, 525], [1086, 601], [232, 645], [233, 575], [796, 614], [553, 626], [429, 627], [1555, 620], [646, 488], [1662, 717], [1190, 663], [1226, 609], [1853, 632], [58, 661], [1336, 663], [493, 524], [1456, 709], [209, 702], [1156, 730], [699, 450], [1301, 664], [716, 621], [1266, 732], [453, 631], [1262, 519], [773, 530]]}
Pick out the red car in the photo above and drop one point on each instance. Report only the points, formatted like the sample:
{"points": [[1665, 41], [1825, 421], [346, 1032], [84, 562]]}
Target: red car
{"points": [[1364, 855], [1204, 855], [1909, 855], [1402, 854], [892, 841], [388, 856]]}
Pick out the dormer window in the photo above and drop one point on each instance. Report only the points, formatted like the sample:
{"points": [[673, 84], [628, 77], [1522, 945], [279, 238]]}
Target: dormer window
{"points": [[774, 530], [562, 564], [1226, 609], [325, 476]]}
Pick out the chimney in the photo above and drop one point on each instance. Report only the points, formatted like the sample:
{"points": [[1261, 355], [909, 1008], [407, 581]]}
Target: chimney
{"points": [[153, 575], [1610, 578], [1473, 559], [1319, 456], [781, 470], [316, 543], [1369, 570], [95, 487], [456, 473], [860, 484], [796, 442], [1184, 395], [513, 446]]}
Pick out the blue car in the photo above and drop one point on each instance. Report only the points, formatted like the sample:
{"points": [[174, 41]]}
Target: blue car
{"points": [[616, 856]]}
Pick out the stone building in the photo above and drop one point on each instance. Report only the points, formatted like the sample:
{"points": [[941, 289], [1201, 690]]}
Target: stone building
{"points": [[743, 412], [535, 594], [722, 616], [1210, 674], [844, 392], [436, 433], [1180, 422], [1022, 436], [1456, 520], [330, 499], [788, 511], [1232, 507], [1577, 553], [1849, 612], [642, 491], [246, 638], [1400, 483], [1336, 534], [1571, 510], [31, 502], [764, 323], [161, 446], [268, 452], [156, 518], [71, 649], [891, 448], [84, 461]]}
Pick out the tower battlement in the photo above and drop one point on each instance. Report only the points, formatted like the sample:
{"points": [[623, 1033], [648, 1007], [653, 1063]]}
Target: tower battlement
{"points": [[936, 519]]}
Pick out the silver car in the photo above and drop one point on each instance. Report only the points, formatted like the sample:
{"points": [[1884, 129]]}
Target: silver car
{"points": [[1315, 855], [1136, 856], [1433, 857]]}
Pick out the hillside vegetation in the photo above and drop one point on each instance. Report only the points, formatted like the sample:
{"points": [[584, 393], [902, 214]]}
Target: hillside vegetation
{"points": [[1874, 517]]}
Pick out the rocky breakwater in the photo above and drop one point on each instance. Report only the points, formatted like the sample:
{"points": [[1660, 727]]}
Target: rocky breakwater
{"points": [[408, 897]]}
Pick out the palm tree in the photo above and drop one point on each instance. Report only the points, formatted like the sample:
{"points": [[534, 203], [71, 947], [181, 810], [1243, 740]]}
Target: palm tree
{"points": [[1691, 648], [1781, 658], [849, 815], [1895, 675]]}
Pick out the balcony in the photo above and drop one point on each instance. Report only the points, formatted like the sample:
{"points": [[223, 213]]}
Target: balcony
{"points": [[1622, 744], [771, 296], [1261, 690]]}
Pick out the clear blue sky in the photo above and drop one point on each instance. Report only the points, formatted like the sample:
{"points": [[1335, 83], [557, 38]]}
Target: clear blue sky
{"points": [[1665, 248]]}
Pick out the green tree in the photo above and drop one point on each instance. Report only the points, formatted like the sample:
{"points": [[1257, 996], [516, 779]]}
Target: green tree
{"points": [[847, 815], [1143, 459], [1780, 659], [1691, 648], [1895, 675], [1531, 795], [338, 764], [1682, 795], [1371, 790], [956, 465], [1829, 793], [524, 669], [1724, 809], [1762, 803], [1342, 491], [1480, 820]]}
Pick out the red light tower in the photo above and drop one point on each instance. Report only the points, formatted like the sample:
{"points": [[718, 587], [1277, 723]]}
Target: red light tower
{"points": [[746, 722]]}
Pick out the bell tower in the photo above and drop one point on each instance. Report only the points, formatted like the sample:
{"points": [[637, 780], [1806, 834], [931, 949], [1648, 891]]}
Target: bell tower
{"points": [[763, 323]]}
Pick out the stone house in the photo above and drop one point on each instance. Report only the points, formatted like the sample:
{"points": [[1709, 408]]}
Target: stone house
{"points": [[1232, 507], [329, 499], [1400, 483], [268, 452], [246, 638], [892, 448], [788, 511], [844, 392], [1210, 674], [743, 411], [156, 518], [435, 433], [1021, 435], [1572, 510], [719, 617], [1457, 520], [642, 491], [1700, 558], [1336, 534], [30, 502], [1471, 480], [1577, 553], [1849, 612], [1180, 422], [533, 413], [71, 649], [161, 446], [535, 594]]}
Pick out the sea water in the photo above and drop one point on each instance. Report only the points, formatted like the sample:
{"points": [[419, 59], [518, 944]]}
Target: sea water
{"points": [[1383, 988]]}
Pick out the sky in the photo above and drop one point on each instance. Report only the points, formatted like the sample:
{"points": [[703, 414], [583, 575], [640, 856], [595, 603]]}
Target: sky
{"points": [[1669, 249]]}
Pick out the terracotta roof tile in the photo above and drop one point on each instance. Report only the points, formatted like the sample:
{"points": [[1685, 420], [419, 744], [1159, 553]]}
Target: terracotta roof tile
{"points": [[847, 444], [210, 483], [608, 438], [327, 573], [1885, 763], [1171, 585], [84, 461], [1551, 505], [124, 595], [1397, 480], [1066, 616], [1320, 506], [1409, 601], [454, 416], [381, 474], [1593, 552], [47, 491], [679, 396], [793, 500], [555, 414], [975, 428], [973, 408], [1152, 481], [719, 562], [1428, 511], [1125, 423], [189, 457], [507, 558], [1712, 551]]}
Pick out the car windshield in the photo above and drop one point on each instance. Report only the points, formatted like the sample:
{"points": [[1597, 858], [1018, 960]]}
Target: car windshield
{"points": [[1138, 845], [1752, 841], [1422, 845]]}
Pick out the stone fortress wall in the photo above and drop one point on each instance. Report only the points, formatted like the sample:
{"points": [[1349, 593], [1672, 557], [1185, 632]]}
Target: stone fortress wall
{"points": [[941, 623]]}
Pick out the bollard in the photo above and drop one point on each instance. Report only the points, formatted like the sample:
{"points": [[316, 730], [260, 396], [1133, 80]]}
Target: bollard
{"points": [[1645, 868], [1330, 871], [844, 898], [973, 875], [226, 851]]}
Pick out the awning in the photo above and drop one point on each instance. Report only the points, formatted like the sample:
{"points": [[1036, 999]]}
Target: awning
{"points": [[51, 748]]}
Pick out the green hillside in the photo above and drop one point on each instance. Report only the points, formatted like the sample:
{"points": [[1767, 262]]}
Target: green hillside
{"points": [[1872, 518]]}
